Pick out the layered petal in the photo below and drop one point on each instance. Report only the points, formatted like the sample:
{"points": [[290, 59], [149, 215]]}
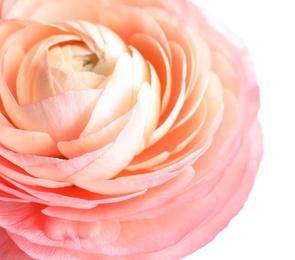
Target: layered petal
{"points": [[72, 111]]}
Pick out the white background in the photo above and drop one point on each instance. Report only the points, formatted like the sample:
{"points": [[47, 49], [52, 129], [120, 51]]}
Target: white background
{"points": [[265, 228]]}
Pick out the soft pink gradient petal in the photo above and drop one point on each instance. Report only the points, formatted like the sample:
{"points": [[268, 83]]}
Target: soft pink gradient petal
{"points": [[203, 139], [122, 151], [232, 199], [226, 72], [171, 26], [154, 52], [231, 202], [141, 71], [16, 173], [139, 181], [67, 196], [178, 72], [63, 230], [63, 116], [116, 18], [9, 250], [35, 67], [143, 236], [154, 110], [12, 191], [28, 142], [183, 139], [116, 98], [172, 142], [52, 168], [198, 89], [55, 10], [31, 224], [95, 141], [48, 82], [151, 199]]}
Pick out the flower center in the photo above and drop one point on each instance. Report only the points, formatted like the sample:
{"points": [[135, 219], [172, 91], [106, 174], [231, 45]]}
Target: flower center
{"points": [[84, 62], [72, 56]]}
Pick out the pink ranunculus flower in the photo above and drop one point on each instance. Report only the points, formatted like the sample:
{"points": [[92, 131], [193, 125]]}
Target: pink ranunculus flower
{"points": [[128, 129]]}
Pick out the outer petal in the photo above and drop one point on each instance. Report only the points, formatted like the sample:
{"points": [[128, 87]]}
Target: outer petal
{"points": [[151, 199], [31, 224], [9, 250], [232, 200]]}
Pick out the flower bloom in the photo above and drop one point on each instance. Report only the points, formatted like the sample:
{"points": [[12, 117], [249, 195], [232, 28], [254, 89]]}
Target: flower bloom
{"points": [[128, 129]]}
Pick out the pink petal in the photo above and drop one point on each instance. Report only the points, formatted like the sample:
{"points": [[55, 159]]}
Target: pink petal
{"points": [[28, 222], [8, 100], [176, 101], [172, 142], [95, 141], [225, 143], [151, 199], [203, 138], [226, 72], [154, 111], [17, 174], [141, 71], [47, 82], [232, 198], [7, 29], [51, 168], [6, 197], [63, 197], [9, 250], [11, 191], [153, 52], [35, 67], [27, 142], [142, 236], [122, 151], [138, 21], [55, 10], [142, 180], [64, 230], [4, 121], [198, 89], [63, 117], [10, 66], [117, 91], [188, 39]]}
